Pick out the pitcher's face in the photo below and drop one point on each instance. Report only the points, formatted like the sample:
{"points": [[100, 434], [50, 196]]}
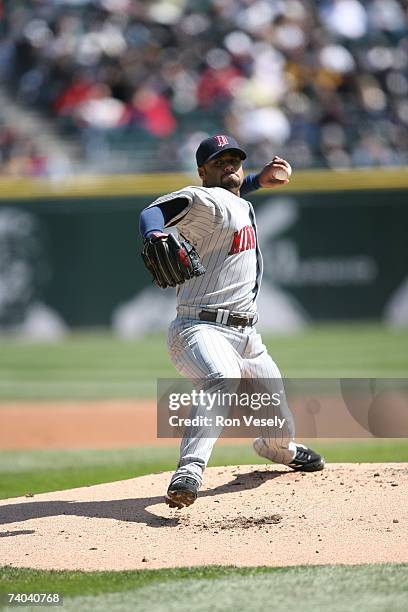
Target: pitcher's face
{"points": [[225, 171]]}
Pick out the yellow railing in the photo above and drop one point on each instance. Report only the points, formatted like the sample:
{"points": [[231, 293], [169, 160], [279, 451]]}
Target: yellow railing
{"points": [[156, 184]]}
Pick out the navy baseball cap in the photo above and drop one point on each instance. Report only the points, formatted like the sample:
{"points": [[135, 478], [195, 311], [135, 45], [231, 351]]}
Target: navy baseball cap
{"points": [[213, 146]]}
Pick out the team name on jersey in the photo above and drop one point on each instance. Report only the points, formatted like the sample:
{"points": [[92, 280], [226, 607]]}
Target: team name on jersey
{"points": [[243, 240]]}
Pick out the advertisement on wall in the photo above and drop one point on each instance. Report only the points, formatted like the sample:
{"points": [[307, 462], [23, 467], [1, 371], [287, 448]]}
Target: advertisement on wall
{"points": [[327, 256]]}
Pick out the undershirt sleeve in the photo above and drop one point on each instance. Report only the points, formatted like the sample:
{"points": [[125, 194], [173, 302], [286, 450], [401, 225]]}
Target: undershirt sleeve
{"points": [[251, 183], [156, 218]]}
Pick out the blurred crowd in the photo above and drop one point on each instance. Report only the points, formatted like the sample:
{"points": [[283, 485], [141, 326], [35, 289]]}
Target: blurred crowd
{"points": [[324, 84], [19, 155]]}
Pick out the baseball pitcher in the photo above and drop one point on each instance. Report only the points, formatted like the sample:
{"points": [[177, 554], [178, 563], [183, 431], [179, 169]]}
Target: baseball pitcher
{"points": [[217, 268]]}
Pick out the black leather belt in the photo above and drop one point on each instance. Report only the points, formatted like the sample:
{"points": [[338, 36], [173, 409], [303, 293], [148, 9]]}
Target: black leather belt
{"points": [[225, 317]]}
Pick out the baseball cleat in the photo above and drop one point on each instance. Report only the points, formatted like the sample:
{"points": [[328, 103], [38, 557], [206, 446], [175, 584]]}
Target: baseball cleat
{"points": [[182, 492], [306, 460]]}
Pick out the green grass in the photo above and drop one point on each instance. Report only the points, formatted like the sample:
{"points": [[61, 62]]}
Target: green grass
{"points": [[40, 471], [83, 366], [372, 588], [98, 365], [23, 472], [86, 366]]}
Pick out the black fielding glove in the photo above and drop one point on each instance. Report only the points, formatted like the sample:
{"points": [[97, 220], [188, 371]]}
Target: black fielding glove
{"points": [[170, 261]]}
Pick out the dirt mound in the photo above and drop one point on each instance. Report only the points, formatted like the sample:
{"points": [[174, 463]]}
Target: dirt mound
{"points": [[245, 516]]}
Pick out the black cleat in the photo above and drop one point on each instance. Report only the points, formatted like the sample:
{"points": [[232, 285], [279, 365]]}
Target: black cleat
{"points": [[182, 492], [306, 460]]}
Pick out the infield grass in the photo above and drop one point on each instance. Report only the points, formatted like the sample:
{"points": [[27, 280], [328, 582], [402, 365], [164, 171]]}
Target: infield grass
{"points": [[23, 472], [86, 366], [98, 365], [368, 588]]}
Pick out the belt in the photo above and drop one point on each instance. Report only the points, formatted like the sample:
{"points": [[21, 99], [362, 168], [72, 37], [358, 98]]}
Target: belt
{"points": [[226, 317]]}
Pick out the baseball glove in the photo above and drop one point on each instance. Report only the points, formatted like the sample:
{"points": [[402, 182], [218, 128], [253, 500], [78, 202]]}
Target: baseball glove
{"points": [[169, 261]]}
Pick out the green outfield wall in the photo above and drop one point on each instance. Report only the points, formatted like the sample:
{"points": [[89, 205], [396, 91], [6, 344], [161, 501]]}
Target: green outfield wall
{"points": [[335, 246]]}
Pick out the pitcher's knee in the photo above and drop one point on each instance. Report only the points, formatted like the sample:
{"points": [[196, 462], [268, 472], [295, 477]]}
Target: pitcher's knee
{"points": [[221, 381]]}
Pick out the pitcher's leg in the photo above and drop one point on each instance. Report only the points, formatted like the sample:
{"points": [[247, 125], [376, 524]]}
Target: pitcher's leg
{"points": [[203, 353], [198, 442], [278, 444], [275, 442]]}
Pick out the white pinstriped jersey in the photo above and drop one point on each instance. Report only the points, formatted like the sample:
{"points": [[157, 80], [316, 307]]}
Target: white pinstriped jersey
{"points": [[222, 227]]}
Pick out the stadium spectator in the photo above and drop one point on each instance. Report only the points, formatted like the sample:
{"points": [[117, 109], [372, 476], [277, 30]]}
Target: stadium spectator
{"points": [[151, 111], [323, 84], [18, 155]]}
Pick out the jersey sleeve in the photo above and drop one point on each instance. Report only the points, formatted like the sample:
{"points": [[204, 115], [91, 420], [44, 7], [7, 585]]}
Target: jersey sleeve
{"points": [[169, 204], [198, 218]]}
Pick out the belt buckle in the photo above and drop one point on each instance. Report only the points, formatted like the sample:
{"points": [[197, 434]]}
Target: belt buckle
{"points": [[244, 317], [251, 318]]}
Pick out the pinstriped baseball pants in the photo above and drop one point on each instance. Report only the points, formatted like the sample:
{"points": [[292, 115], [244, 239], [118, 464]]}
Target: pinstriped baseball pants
{"points": [[214, 352]]}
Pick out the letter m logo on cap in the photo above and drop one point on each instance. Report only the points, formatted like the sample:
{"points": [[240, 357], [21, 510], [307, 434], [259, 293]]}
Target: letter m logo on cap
{"points": [[221, 140]]}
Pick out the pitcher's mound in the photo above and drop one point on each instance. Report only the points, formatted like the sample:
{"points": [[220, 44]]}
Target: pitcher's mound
{"points": [[246, 515]]}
